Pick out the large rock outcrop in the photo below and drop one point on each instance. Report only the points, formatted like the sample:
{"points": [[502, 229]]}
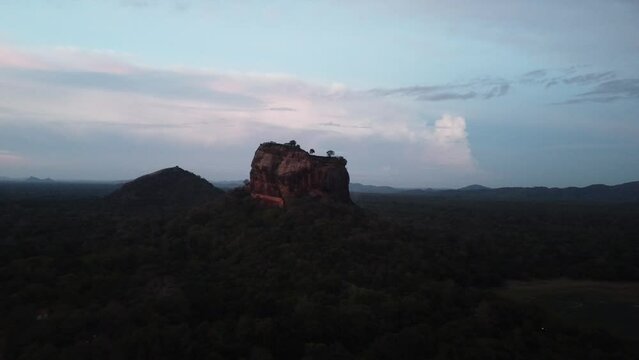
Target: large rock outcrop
{"points": [[280, 172], [171, 187]]}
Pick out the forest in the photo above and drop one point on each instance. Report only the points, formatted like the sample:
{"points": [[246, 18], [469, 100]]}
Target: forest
{"points": [[391, 277]]}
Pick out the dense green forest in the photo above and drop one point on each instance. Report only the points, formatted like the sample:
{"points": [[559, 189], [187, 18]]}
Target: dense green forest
{"points": [[393, 277]]}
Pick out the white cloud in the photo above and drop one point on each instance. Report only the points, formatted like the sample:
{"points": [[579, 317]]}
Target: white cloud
{"points": [[82, 93], [451, 141], [450, 129]]}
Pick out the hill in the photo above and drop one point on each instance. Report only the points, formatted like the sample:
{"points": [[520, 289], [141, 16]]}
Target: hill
{"points": [[37, 179], [623, 193], [173, 187], [374, 189], [474, 187]]}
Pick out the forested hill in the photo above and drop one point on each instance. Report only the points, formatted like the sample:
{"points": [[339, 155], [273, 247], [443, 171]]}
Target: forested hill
{"points": [[623, 193], [233, 279]]}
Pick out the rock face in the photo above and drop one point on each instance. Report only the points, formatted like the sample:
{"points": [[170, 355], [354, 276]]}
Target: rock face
{"points": [[280, 172], [171, 187]]}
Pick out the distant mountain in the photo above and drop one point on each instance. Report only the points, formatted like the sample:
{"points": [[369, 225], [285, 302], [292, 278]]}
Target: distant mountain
{"points": [[361, 188], [171, 187], [35, 179], [628, 192], [31, 179], [474, 187], [377, 189], [427, 191], [228, 184]]}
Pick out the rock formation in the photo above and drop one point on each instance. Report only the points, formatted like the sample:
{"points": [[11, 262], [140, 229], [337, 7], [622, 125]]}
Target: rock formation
{"points": [[280, 172], [171, 187]]}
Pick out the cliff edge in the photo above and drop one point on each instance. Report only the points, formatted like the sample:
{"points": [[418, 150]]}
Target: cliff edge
{"points": [[280, 172]]}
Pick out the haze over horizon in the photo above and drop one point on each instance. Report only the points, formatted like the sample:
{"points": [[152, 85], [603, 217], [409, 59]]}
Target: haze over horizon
{"points": [[413, 93]]}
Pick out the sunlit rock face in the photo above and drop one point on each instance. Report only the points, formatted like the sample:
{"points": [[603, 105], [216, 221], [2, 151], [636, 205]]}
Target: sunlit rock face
{"points": [[280, 172]]}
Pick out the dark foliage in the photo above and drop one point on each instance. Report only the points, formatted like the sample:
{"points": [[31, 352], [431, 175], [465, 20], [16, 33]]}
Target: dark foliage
{"points": [[21, 190], [521, 240], [316, 280], [171, 187]]}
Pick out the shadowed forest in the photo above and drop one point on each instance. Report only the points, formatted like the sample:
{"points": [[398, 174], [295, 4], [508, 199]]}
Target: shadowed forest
{"points": [[393, 277], [373, 180]]}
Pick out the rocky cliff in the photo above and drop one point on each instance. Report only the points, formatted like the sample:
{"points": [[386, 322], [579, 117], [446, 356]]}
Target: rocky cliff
{"points": [[280, 172]]}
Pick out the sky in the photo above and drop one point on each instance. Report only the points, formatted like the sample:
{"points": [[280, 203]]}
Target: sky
{"points": [[413, 93]]}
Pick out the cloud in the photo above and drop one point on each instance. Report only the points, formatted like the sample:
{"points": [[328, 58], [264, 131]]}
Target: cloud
{"points": [[565, 76], [8, 158], [281, 108], [180, 5], [607, 92], [98, 93], [623, 88], [330, 123], [496, 91], [551, 83], [450, 129], [476, 89], [606, 88], [412, 91], [447, 96], [451, 139], [591, 78], [601, 100], [16, 59], [539, 76], [535, 74], [66, 58], [161, 84]]}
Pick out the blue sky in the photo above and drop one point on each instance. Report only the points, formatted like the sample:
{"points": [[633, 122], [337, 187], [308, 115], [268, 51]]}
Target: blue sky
{"points": [[413, 93]]}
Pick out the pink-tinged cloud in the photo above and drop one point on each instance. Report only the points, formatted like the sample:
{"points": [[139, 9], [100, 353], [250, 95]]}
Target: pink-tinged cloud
{"points": [[75, 59], [64, 59], [80, 93], [15, 59], [7, 158]]}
